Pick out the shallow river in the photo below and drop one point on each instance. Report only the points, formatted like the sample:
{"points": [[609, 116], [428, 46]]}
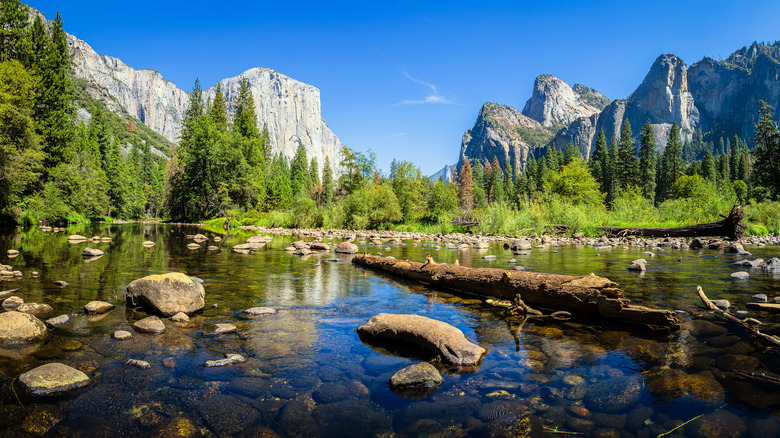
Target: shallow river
{"points": [[308, 373]]}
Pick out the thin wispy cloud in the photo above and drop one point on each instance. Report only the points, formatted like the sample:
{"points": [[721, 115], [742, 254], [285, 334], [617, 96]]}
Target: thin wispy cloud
{"points": [[396, 134], [432, 95]]}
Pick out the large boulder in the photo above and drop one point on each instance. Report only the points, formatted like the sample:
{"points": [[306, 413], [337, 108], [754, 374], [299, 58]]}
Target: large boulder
{"points": [[167, 294], [346, 248], [21, 327], [53, 378], [434, 336]]}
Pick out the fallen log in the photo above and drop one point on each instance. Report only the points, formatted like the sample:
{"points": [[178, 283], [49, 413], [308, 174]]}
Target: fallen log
{"points": [[766, 307], [731, 227], [587, 295], [745, 325]]}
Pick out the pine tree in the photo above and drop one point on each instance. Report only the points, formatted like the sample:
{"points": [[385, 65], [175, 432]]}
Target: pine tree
{"points": [[509, 188], [647, 162], [465, 185], [708, 166], [195, 109], [266, 146], [54, 109], [36, 48], [767, 153], [13, 23], [611, 175], [673, 160], [722, 166], [327, 182], [571, 152], [599, 161], [299, 171], [531, 175], [218, 109], [497, 182], [734, 159], [626, 164]]}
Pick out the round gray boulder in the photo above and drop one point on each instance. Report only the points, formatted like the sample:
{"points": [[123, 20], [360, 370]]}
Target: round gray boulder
{"points": [[167, 294]]}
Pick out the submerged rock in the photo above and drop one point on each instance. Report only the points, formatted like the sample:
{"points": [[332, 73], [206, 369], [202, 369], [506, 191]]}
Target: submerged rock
{"points": [[121, 335], [167, 294], [21, 327], [98, 307], [418, 379], [12, 303], [140, 364], [53, 378], [151, 324], [221, 329], [615, 395], [259, 311], [230, 359], [34, 308], [434, 336]]}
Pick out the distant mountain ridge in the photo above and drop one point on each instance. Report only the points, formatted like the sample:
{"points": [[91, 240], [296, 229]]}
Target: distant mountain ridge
{"points": [[717, 96]]}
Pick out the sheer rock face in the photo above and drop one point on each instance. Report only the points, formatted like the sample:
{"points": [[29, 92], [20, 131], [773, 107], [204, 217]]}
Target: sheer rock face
{"points": [[727, 92], [289, 108], [143, 94], [553, 102], [503, 132]]}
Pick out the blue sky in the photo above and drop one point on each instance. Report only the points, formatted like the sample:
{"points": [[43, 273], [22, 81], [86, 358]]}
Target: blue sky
{"points": [[406, 79]]}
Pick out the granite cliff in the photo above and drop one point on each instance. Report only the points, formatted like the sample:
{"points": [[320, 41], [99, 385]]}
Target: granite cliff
{"points": [[290, 109]]}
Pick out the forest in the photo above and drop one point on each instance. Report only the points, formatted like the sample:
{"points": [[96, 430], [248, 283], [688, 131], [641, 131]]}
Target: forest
{"points": [[61, 164]]}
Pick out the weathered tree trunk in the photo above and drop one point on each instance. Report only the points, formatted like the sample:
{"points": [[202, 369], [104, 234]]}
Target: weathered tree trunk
{"points": [[731, 226], [588, 295]]}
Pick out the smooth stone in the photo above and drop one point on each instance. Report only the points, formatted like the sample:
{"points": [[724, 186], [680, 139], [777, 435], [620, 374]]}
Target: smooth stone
{"points": [[320, 246], [140, 364], [760, 298], [61, 283], [77, 238], [434, 336], [58, 321], [719, 424], [167, 294], [21, 327], [12, 253], [91, 252], [53, 378], [723, 304], [193, 246], [180, 317], [346, 248], [637, 267], [12, 303], [615, 395], [741, 275], [148, 244], [259, 311], [150, 324], [98, 307], [121, 335]]}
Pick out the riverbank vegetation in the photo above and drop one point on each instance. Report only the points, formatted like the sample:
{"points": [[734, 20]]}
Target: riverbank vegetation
{"points": [[65, 157]]}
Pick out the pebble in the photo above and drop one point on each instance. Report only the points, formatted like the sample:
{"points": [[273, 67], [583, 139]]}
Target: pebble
{"points": [[741, 275], [58, 321], [180, 317], [230, 359], [760, 298], [259, 311], [140, 364], [221, 329], [121, 335]]}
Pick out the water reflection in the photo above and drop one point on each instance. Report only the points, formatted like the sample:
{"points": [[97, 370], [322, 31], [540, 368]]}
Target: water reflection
{"points": [[308, 374]]}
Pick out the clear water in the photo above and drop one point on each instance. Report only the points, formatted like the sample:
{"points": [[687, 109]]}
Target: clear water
{"points": [[308, 373]]}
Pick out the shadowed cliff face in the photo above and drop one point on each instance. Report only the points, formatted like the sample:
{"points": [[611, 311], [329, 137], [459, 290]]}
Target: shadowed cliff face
{"points": [[503, 132], [727, 93]]}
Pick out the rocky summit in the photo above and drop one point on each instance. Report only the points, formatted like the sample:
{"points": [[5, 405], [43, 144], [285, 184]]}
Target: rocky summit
{"points": [[709, 95]]}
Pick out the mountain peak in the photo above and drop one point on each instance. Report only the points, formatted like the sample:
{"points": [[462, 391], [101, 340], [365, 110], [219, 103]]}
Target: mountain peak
{"points": [[553, 102]]}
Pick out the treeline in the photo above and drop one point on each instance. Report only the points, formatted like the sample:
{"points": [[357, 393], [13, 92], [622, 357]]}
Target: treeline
{"points": [[51, 168]]}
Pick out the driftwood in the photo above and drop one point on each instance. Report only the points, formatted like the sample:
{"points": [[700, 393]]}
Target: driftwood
{"points": [[745, 325], [731, 227], [587, 295], [766, 307]]}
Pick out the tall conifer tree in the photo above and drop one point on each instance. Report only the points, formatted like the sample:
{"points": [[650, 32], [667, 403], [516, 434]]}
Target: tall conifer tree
{"points": [[647, 162]]}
